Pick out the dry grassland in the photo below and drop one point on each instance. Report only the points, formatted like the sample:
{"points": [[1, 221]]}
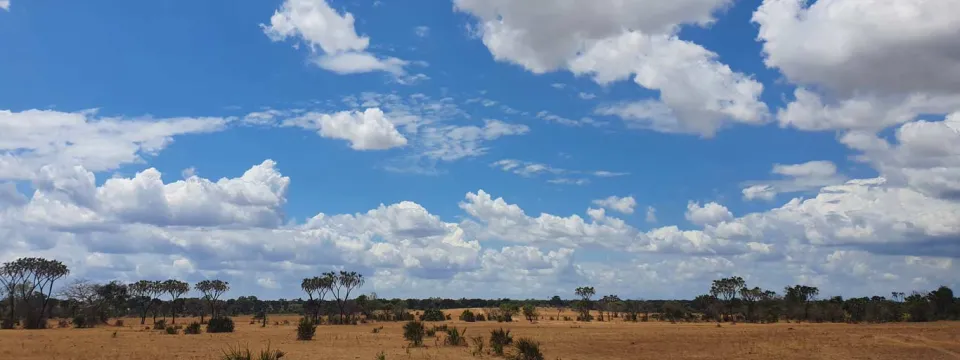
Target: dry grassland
{"points": [[559, 340]]}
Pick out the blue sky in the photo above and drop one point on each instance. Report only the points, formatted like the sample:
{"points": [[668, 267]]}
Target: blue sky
{"points": [[460, 98]]}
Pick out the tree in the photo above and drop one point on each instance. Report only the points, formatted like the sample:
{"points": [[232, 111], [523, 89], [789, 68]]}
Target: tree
{"points": [[176, 289], [942, 300], [557, 303], [800, 296], [726, 289], [32, 280], [142, 294], [212, 290], [583, 307], [320, 286], [750, 297], [530, 311], [343, 283]]}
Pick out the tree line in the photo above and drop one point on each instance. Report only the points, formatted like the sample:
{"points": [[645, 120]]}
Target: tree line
{"points": [[28, 300]]}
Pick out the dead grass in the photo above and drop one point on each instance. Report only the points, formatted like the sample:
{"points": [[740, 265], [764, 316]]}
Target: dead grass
{"points": [[559, 339]]}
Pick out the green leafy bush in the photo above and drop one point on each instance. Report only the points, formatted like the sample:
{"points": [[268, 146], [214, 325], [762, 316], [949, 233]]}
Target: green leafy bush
{"points": [[500, 339], [468, 316], [160, 325], [413, 331], [306, 329], [527, 350], [192, 329], [171, 330], [455, 337], [432, 315], [220, 325]]}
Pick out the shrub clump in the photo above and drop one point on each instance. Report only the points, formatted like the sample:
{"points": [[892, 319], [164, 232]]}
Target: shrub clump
{"points": [[468, 316], [192, 329], [413, 331], [244, 353], [220, 325], [455, 337], [306, 329], [527, 350], [81, 322], [500, 339], [171, 330], [160, 325], [478, 345], [432, 315]]}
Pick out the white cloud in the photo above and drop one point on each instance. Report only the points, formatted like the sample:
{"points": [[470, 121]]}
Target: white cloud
{"points": [[331, 37], [614, 40], [554, 118], [586, 96], [367, 130], [422, 31], [709, 214], [805, 177], [885, 46], [621, 204], [651, 215], [5, 4], [451, 142], [533, 169], [32, 139]]}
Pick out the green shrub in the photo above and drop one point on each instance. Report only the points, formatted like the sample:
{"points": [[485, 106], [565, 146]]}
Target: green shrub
{"points": [[499, 339], [455, 337], [192, 329], [160, 325], [381, 356], [306, 329], [468, 316], [432, 315], [413, 331], [527, 350], [220, 325], [171, 330], [244, 353], [478, 345], [81, 322], [480, 317]]}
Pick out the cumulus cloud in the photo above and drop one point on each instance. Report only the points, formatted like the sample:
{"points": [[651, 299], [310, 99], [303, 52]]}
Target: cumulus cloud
{"points": [[331, 37], [31, 139], [621, 204], [805, 177], [367, 130], [5, 4], [708, 214], [616, 40]]}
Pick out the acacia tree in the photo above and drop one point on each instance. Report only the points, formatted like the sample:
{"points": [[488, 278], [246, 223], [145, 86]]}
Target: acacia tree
{"points": [[343, 283], [750, 297], [32, 280], [10, 278], [800, 295], [320, 285], [726, 289], [583, 306], [176, 289], [557, 303], [212, 290], [143, 292]]}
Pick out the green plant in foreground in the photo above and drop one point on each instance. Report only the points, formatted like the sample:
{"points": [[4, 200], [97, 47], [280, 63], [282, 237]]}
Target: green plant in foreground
{"points": [[413, 331], [478, 345], [455, 337], [381, 356], [306, 329], [527, 350], [499, 339], [244, 353]]}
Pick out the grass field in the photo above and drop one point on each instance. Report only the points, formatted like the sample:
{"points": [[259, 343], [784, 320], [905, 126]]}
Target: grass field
{"points": [[559, 340]]}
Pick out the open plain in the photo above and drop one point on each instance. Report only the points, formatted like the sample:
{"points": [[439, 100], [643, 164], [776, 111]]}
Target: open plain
{"points": [[559, 340]]}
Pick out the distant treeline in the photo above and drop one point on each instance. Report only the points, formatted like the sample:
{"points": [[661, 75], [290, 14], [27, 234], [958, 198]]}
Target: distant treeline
{"points": [[28, 299]]}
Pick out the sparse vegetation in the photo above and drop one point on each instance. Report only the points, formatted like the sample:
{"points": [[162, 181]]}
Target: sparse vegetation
{"points": [[192, 329], [526, 349], [244, 353], [306, 330], [172, 330], [478, 345], [455, 337], [160, 325], [500, 339], [413, 332]]}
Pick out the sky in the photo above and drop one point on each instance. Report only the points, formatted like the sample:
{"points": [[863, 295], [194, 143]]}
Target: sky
{"points": [[485, 148]]}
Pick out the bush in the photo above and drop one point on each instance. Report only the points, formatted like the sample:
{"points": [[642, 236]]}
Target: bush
{"points": [[467, 316], [80, 322], [245, 354], [432, 315], [480, 317], [527, 350], [499, 339], [118, 322], [171, 330], [477, 345], [220, 325], [381, 356], [413, 331], [62, 323], [377, 330], [192, 329], [431, 332], [306, 329], [455, 338], [160, 325]]}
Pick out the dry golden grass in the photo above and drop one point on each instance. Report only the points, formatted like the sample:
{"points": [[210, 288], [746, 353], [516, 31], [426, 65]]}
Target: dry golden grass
{"points": [[559, 340]]}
